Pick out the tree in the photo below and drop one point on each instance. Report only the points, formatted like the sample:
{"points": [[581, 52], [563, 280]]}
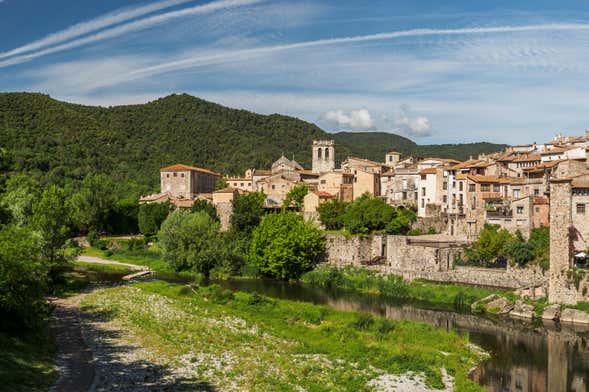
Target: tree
{"points": [[401, 222], [221, 184], [331, 214], [23, 280], [492, 243], [205, 206], [367, 214], [93, 202], [284, 246], [191, 241], [123, 217], [151, 216], [20, 194], [247, 212], [51, 218], [296, 195]]}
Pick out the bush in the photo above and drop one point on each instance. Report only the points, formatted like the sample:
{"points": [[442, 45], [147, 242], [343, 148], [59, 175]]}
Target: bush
{"points": [[136, 244], [151, 216], [23, 280], [216, 294], [393, 286], [192, 242], [284, 246], [205, 206], [367, 214], [296, 195], [247, 212], [331, 214], [363, 322]]}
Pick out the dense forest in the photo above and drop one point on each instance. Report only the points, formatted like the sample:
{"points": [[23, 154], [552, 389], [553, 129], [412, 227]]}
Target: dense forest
{"points": [[57, 142]]}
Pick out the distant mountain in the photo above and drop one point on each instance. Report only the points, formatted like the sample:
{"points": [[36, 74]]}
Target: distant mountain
{"points": [[56, 141]]}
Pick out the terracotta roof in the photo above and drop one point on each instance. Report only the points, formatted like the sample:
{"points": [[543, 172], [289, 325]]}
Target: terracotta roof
{"points": [[307, 172], [181, 167], [466, 164], [461, 176], [205, 196], [394, 152], [454, 161], [429, 170], [490, 179], [557, 150], [365, 160], [226, 190], [155, 196], [323, 194], [183, 203]]}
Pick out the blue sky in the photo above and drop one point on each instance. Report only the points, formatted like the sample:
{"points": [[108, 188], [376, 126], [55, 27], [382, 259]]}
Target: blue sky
{"points": [[453, 71]]}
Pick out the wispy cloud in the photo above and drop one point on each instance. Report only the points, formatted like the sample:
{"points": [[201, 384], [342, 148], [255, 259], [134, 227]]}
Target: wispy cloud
{"points": [[237, 55], [113, 32], [101, 22]]}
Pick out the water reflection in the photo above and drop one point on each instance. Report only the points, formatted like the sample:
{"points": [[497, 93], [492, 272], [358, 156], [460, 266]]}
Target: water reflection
{"points": [[525, 357]]}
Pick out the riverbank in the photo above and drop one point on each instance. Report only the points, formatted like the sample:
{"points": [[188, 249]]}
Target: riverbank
{"points": [[366, 281], [237, 340]]}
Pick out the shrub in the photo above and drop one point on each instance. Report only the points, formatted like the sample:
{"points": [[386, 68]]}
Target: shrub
{"points": [[136, 244], [295, 196], [393, 286], [23, 280], [331, 214], [216, 294], [247, 212], [363, 322], [151, 216], [205, 206], [284, 246], [367, 214]]}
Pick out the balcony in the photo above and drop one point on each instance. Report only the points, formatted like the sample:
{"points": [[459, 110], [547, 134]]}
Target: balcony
{"points": [[500, 214]]}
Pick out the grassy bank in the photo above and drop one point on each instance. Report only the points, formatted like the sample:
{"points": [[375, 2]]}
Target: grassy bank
{"points": [[237, 341], [147, 258], [367, 281], [26, 363]]}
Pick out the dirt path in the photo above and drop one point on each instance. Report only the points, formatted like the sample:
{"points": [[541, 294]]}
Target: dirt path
{"points": [[74, 359], [98, 260]]}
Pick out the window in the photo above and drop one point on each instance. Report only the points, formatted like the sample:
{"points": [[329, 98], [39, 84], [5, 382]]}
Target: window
{"points": [[537, 209], [168, 175], [319, 153], [273, 186], [404, 195], [472, 187], [326, 153], [581, 209], [445, 199], [422, 203], [323, 181], [453, 184], [390, 158], [422, 191], [496, 188], [517, 193], [182, 175], [461, 186], [241, 184], [445, 186], [485, 187], [520, 210], [536, 192], [175, 174]]}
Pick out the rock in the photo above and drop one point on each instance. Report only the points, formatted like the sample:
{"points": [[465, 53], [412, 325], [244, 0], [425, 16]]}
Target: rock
{"points": [[574, 316], [499, 306], [522, 310], [551, 312], [481, 303]]}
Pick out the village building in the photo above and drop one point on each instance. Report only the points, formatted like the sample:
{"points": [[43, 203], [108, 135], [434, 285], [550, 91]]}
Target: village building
{"points": [[323, 156], [337, 183], [186, 182], [314, 199]]}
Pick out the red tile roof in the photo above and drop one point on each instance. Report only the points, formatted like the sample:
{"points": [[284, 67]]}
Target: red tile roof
{"points": [[429, 170], [182, 167], [323, 194]]}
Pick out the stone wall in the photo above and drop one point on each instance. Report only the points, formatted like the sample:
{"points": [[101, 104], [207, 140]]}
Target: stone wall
{"points": [[423, 258], [560, 290], [224, 212], [438, 222]]}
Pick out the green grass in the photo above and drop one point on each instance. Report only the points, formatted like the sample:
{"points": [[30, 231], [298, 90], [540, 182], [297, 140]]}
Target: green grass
{"points": [[367, 281], [584, 306], [26, 364], [147, 258], [268, 344]]}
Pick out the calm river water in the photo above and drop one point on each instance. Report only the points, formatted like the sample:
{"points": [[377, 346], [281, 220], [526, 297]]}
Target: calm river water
{"points": [[525, 357]]}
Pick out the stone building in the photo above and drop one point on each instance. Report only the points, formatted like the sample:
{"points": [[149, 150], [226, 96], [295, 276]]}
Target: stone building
{"points": [[337, 183], [186, 182], [323, 156], [366, 183], [392, 158], [314, 199]]}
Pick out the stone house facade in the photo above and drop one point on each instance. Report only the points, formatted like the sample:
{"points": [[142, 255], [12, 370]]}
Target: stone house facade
{"points": [[186, 182]]}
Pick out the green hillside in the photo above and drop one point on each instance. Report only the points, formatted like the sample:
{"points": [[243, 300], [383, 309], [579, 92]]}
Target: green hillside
{"points": [[55, 140]]}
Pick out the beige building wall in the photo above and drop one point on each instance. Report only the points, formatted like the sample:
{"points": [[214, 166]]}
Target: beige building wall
{"points": [[365, 182], [276, 188]]}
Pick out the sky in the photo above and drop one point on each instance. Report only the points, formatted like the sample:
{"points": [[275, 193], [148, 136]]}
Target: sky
{"points": [[503, 71]]}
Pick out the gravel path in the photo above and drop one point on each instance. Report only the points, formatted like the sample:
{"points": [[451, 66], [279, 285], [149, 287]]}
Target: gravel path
{"points": [[98, 260], [74, 358]]}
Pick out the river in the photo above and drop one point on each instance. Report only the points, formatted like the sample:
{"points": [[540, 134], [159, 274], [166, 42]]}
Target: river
{"points": [[525, 357]]}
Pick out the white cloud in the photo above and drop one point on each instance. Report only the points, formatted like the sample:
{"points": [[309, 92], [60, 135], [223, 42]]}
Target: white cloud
{"points": [[357, 120], [409, 125], [120, 30], [95, 24]]}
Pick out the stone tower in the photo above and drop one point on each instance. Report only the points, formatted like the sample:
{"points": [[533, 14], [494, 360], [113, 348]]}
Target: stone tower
{"points": [[323, 156], [392, 158], [561, 246]]}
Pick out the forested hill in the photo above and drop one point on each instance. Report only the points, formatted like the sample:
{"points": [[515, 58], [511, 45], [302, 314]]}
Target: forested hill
{"points": [[55, 140]]}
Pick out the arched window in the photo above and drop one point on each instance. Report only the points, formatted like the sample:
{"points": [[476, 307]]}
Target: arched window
{"points": [[326, 153], [319, 153]]}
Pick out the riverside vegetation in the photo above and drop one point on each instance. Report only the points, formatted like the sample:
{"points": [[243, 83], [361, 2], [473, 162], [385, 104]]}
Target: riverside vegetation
{"points": [[239, 340]]}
